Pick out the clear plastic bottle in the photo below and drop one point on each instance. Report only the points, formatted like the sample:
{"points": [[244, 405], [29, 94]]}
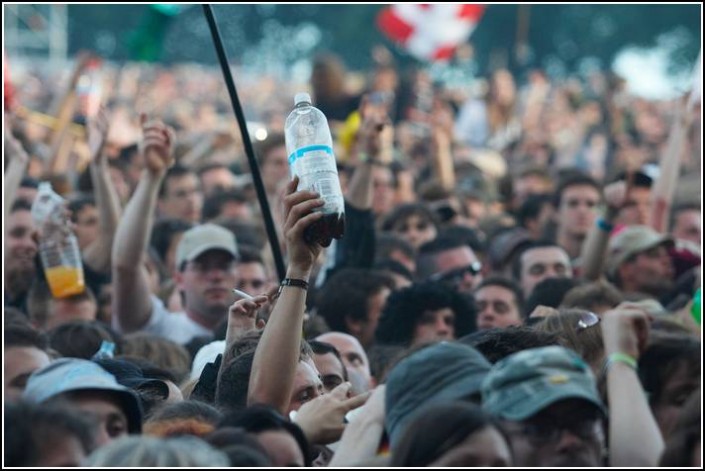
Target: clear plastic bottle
{"points": [[310, 148], [58, 246]]}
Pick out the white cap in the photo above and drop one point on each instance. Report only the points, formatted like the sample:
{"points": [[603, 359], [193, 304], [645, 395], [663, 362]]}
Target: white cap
{"points": [[205, 355], [302, 97]]}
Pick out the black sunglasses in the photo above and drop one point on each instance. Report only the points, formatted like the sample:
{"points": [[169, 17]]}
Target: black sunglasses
{"points": [[457, 274]]}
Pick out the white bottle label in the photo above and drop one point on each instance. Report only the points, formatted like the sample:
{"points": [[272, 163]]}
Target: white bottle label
{"points": [[317, 171]]}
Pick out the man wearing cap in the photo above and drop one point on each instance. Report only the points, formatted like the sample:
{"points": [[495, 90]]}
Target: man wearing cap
{"points": [[548, 403], [206, 260], [85, 386], [434, 374], [638, 261]]}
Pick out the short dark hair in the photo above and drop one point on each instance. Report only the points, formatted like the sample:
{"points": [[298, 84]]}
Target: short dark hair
{"points": [[81, 339], [509, 285], [531, 208], [77, 204], [575, 179], [324, 348], [425, 261], [177, 171], [497, 344], [541, 244], [549, 292], [262, 418], [388, 242], [213, 205], [20, 205], [249, 254], [661, 359], [37, 424], [233, 383], [347, 293], [263, 148], [163, 233], [21, 335]]}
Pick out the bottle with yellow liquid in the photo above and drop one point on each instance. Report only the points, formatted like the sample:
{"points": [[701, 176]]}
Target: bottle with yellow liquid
{"points": [[58, 246]]}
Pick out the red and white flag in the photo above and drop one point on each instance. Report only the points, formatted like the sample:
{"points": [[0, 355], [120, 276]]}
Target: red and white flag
{"points": [[430, 32]]}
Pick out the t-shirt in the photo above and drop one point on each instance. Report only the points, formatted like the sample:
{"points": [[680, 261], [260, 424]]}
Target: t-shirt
{"points": [[175, 326]]}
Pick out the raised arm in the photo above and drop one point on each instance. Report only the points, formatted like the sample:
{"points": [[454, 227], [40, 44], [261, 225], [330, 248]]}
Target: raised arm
{"points": [[18, 159], [634, 436], [594, 249], [98, 254], [132, 306], [277, 354]]}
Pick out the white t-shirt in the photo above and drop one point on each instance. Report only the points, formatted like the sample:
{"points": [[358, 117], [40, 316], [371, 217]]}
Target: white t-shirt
{"points": [[175, 326]]}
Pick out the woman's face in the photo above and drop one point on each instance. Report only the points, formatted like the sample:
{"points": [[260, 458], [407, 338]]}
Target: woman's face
{"points": [[484, 448], [678, 388]]}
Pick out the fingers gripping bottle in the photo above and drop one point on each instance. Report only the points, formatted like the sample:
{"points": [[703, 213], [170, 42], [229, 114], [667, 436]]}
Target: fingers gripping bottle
{"points": [[310, 148], [58, 246]]}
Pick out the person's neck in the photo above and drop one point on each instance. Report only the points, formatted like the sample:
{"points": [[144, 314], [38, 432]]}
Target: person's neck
{"points": [[206, 322], [571, 243]]}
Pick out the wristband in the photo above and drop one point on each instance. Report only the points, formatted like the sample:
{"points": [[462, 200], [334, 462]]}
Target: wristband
{"points": [[303, 284], [604, 225], [620, 357]]}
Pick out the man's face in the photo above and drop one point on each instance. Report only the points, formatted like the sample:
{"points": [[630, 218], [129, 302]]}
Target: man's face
{"points": [[688, 226], [650, 272], [252, 278], [541, 263], [275, 169], [637, 209], [354, 359], [19, 364], [434, 325], [367, 328], [207, 282], [20, 247], [217, 179], [86, 227], [307, 385], [330, 369], [182, 199], [455, 266], [576, 214], [382, 190], [567, 433], [106, 409], [496, 307], [415, 230]]}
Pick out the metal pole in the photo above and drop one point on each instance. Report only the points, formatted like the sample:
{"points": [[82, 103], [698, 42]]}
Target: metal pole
{"points": [[254, 168]]}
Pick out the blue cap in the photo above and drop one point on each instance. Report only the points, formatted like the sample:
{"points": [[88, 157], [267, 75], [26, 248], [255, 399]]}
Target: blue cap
{"points": [[74, 374]]}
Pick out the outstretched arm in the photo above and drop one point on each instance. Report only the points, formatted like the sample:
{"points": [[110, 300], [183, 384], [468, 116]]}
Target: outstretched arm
{"points": [[98, 254], [277, 355], [132, 306]]}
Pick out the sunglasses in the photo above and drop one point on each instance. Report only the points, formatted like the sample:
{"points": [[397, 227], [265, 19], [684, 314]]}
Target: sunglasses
{"points": [[457, 274], [587, 319]]}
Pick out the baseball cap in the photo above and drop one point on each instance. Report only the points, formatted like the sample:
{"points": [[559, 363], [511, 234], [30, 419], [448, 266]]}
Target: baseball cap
{"points": [[631, 241], [440, 372], [526, 382], [74, 374], [202, 238], [130, 375]]}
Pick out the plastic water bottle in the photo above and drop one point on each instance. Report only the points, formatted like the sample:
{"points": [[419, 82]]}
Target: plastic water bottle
{"points": [[310, 148], [58, 246]]}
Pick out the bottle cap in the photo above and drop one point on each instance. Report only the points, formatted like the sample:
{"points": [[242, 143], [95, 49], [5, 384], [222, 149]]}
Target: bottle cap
{"points": [[302, 97]]}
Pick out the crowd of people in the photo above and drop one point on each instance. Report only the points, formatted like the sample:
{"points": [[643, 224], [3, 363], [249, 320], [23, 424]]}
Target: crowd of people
{"points": [[518, 283]]}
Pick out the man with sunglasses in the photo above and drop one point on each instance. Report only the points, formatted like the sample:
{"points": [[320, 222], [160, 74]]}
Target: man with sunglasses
{"points": [[450, 261], [548, 403]]}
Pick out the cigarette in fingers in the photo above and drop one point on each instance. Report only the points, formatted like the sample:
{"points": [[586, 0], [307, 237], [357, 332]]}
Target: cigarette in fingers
{"points": [[243, 295]]}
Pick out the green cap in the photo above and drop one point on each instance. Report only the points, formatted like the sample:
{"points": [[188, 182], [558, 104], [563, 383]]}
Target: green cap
{"points": [[523, 384]]}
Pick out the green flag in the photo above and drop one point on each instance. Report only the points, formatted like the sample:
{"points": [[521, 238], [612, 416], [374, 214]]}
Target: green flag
{"points": [[146, 42]]}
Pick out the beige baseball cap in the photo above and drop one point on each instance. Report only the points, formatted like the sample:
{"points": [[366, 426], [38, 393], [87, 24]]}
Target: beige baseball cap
{"points": [[631, 241], [202, 238]]}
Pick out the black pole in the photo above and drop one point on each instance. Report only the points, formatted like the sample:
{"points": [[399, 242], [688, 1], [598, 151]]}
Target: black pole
{"points": [[254, 168]]}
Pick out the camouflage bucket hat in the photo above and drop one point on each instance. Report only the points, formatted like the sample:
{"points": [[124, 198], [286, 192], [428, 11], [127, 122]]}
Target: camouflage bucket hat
{"points": [[523, 384]]}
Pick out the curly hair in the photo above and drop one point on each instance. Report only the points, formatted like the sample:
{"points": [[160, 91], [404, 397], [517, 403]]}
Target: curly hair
{"points": [[405, 307]]}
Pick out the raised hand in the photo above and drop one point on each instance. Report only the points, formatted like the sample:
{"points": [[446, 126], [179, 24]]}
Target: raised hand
{"points": [[625, 329], [157, 146], [322, 418], [98, 128], [298, 215]]}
